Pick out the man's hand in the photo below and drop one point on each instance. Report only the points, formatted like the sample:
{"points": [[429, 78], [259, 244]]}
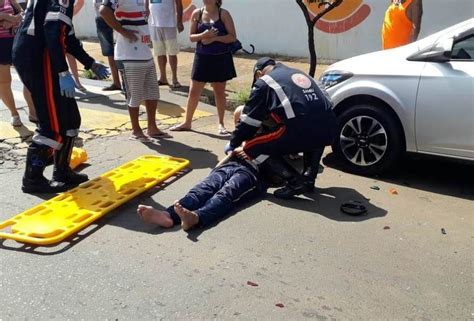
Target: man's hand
{"points": [[180, 27], [239, 152], [131, 35], [66, 84], [100, 70]]}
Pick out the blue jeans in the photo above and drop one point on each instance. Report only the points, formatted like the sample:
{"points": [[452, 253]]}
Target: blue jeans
{"points": [[220, 193]]}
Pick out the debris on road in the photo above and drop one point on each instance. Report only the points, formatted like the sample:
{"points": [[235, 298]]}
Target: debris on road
{"points": [[443, 231], [280, 305], [353, 208], [375, 187], [386, 227], [252, 283], [393, 191]]}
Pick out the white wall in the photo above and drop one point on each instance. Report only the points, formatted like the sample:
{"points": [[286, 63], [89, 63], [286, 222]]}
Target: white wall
{"points": [[277, 26]]}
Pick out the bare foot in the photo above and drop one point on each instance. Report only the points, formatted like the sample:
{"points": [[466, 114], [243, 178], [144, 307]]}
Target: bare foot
{"points": [[188, 219], [138, 133], [153, 216]]}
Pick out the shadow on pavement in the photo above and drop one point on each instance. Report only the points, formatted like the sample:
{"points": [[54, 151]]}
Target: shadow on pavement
{"points": [[225, 138], [327, 202], [199, 157], [428, 173], [103, 100]]}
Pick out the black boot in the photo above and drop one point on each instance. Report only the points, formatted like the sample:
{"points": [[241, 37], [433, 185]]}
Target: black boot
{"points": [[311, 166], [296, 183], [33, 180], [62, 171]]}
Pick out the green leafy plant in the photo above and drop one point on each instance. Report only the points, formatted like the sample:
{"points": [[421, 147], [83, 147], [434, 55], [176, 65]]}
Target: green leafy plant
{"points": [[88, 74], [242, 96]]}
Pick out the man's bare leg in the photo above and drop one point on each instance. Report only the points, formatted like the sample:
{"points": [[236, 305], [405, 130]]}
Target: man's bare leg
{"points": [[188, 218], [134, 113], [153, 216]]}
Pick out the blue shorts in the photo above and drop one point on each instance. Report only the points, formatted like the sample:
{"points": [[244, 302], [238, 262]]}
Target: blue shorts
{"points": [[106, 37]]}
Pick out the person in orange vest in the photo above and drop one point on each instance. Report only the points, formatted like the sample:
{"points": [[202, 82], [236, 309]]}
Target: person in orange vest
{"points": [[402, 23]]}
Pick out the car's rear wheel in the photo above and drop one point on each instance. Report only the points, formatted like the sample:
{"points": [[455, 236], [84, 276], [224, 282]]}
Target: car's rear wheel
{"points": [[369, 140]]}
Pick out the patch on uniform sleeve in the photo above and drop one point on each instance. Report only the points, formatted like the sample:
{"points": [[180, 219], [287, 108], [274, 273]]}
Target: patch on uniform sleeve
{"points": [[301, 80]]}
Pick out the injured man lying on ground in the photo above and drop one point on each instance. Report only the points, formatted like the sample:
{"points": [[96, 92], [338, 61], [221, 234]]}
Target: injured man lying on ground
{"points": [[231, 183]]}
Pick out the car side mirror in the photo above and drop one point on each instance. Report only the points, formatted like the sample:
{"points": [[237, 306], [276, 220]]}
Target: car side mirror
{"points": [[441, 52]]}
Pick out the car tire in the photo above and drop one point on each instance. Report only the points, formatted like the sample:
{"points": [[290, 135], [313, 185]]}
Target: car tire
{"points": [[369, 140]]}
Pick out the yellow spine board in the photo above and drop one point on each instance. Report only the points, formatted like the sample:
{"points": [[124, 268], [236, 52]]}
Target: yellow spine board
{"points": [[54, 220]]}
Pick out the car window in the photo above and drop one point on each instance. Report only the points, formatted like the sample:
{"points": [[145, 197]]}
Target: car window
{"points": [[463, 49]]}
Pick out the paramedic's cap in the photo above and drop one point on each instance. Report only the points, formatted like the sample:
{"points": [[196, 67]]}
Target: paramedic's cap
{"points": [[261, 64]]}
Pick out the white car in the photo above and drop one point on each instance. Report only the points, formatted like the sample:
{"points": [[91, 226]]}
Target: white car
{"points": [[416, 98]]}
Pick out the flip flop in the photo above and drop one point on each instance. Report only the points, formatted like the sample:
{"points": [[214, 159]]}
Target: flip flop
{"points": [[161, 83], [179, 128], [16, 121], [223, 131], [353, 208], [81, 88], [176, 85], [142, 139], [161, 135], [111, 88]]}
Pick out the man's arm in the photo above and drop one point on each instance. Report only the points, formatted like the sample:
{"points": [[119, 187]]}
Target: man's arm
{"points": [[179, 15], [415, 14], [74, 47], [107, 13], [255, 111]]}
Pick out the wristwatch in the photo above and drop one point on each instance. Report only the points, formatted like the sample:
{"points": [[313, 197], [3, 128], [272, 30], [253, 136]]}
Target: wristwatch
{"points": [[64, 73]]}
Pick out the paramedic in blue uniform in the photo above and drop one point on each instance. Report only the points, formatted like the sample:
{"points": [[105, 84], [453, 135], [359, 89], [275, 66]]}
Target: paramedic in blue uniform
{"points": [[303, 118], [39, 50]]}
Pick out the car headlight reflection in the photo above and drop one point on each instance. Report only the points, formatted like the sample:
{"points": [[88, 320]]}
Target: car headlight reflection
{"points": [[332, 78]]}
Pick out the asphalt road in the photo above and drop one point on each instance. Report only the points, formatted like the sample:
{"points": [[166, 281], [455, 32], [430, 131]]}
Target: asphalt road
{"points": [[304, 255]]}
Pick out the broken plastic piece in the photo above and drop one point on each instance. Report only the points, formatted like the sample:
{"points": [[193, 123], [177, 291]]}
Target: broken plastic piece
{"points": [[252, 283], [393, 191], [78, 157], [353, 208]]}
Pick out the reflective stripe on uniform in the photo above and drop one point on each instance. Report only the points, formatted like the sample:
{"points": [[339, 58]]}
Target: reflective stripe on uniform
{"points": [[72, 132], [281, 95], [42, 140], [31, 28], [260, 159], [55, 16], [250, 121]]}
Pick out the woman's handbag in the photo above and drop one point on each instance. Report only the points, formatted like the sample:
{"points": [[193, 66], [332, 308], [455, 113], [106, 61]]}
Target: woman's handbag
{"points": [[237, 45]]}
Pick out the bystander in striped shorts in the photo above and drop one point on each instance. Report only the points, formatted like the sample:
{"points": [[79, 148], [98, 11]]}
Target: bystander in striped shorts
{"points": [[139, 81]]}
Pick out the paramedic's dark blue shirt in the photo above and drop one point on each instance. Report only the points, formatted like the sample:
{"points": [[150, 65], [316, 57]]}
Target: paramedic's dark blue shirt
{"points": [[286, 95]]}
